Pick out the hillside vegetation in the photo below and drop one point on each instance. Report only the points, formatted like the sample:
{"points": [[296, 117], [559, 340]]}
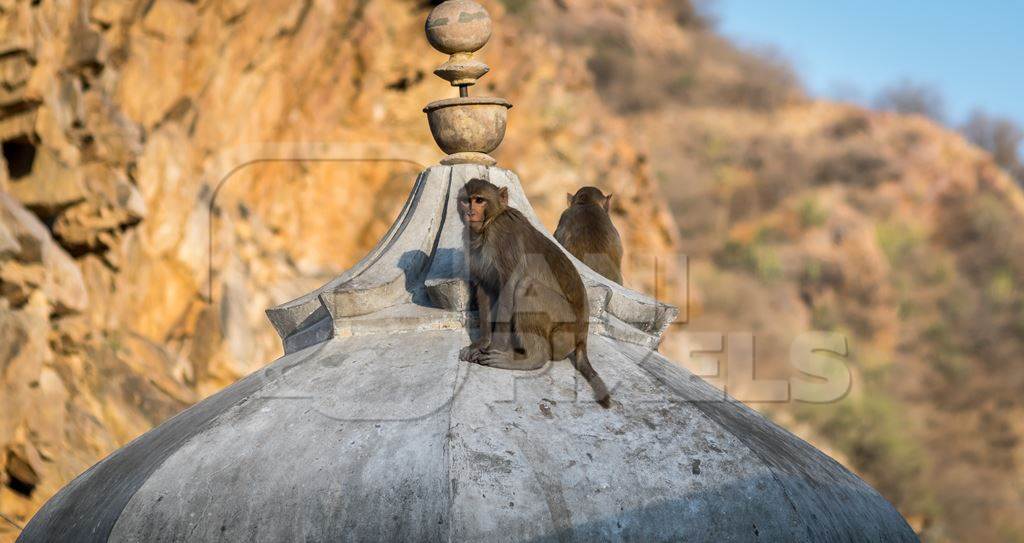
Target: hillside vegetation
{"points": [[800, 215]]}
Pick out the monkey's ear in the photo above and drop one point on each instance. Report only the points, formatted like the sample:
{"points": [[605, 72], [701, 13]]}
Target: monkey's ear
{"points": [[568, 199], [503, 195], [608, 203]]}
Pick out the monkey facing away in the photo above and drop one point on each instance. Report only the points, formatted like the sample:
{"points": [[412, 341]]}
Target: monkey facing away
{"points": [[532, 303], [586, 231]]}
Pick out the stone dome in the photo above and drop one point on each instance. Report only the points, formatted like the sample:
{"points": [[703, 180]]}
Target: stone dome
{"points": [[370, 428]]}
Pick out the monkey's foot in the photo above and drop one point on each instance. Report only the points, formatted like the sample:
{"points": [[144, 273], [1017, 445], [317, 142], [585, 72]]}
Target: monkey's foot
{"points": [[471, 353], [506, 360], [494, 358]]}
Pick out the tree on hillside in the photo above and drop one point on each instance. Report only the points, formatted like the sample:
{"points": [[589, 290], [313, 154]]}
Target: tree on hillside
{"points": [[998, 135], [912, 98]]}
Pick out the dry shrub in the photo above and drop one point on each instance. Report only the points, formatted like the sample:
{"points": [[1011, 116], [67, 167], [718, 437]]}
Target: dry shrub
{"points": [[1000, 136], [858, 162], [759, 79], [782, 168], [852, 124], [912, 98]]}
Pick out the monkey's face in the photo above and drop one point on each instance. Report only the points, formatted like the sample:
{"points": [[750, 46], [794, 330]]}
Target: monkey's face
{"points": [[479, 200], [475, 209]]}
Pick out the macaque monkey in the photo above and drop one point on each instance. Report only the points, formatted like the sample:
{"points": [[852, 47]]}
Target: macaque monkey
{"points": [[586, 231], [532, 303]]}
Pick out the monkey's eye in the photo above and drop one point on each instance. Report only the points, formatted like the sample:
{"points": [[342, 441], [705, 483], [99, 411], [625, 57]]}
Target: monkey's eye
{"points": [[478, 200]]}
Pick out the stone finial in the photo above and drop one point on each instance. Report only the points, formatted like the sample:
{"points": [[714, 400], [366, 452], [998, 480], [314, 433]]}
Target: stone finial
{"points": [[465, 128], [459, 28]]}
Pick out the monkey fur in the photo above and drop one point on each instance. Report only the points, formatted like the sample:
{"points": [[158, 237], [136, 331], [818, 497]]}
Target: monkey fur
{"points": [[586, 231], [532, 303]]}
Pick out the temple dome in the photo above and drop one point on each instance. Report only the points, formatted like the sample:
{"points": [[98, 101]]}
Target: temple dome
{"points": [[370, 428]]}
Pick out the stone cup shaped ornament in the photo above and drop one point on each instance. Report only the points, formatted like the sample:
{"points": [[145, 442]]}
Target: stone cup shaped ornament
{"points": [[467, 128]]}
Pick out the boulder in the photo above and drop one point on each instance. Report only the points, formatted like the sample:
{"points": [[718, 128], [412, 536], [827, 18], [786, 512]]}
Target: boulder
{"points": [[112, 202], [45, 183], [40, 262]]}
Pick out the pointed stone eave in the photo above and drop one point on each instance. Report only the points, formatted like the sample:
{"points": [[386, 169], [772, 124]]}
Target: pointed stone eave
{"points": [[419, 263]]}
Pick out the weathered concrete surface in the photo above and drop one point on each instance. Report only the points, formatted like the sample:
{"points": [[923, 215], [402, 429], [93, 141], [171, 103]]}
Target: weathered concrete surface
{"points": [[390, 437]]}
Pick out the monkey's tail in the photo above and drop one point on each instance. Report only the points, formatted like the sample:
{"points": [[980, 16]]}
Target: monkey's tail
{"points": [[582, 363]]}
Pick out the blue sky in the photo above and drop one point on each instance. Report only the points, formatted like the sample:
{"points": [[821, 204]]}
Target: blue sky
{"points": [[973, 52]]}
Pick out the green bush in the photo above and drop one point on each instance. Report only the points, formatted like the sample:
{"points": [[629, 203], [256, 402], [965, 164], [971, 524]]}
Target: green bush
{"points": [[811, 214], [871, 430], [897, 241], [760, 260]]}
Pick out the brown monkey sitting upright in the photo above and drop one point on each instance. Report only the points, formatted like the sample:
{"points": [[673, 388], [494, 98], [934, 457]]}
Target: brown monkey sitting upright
{"points": [[586, 231], [529, 295]]}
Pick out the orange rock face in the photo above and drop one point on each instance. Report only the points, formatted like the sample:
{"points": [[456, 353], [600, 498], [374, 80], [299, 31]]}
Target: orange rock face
{"points": [[120, 123]]}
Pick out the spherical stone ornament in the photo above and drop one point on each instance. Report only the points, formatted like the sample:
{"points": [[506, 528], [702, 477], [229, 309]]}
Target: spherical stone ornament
{"points": [[458, 26]]}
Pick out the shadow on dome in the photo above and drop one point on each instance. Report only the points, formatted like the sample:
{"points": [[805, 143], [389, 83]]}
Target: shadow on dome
{"points": [[755, 509]]}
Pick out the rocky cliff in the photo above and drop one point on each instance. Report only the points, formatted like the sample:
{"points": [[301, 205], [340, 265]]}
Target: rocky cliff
{"points": [[145, 225], [120, 120]]}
